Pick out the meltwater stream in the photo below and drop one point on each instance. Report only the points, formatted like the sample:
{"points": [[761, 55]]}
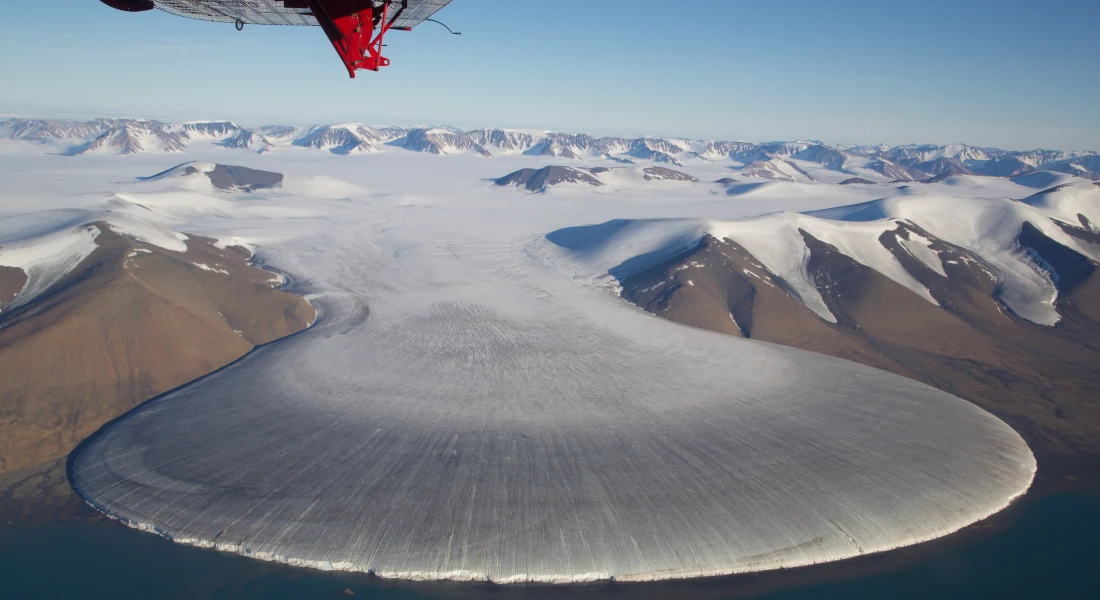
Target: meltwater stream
{"points": [[467, 411]]}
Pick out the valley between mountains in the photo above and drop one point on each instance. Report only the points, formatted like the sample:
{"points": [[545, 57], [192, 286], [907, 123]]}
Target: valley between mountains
{"points": [[480, 309]]}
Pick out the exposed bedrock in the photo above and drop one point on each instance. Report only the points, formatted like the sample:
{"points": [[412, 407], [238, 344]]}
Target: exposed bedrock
{"points": [[223, 177], [1041, 379], [128, 322]]}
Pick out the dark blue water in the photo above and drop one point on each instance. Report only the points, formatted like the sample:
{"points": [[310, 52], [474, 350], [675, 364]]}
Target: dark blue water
{"points": [[1051, 550]]}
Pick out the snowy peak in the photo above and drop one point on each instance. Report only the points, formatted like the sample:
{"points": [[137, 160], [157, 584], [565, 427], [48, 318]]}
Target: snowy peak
{"points": [[39, 130], [830, 158], [133, 137], [578, 142], [251, 140], [207, 130], [277, 132], [910, 162], [912, 153], [742, 152], [226, 178], [612, 145], [776, 170], [340, 139], [1006, 166], [442, 141], [894, 172], [658, 145], [655, 150], [964, 153], [663, 174], [509, 142], [942, 168], [549, 147], [786, 149], [1025, 256], [538, 180], [1087, 167]]}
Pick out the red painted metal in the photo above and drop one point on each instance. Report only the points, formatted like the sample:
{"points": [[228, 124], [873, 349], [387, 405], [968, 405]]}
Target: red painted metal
{"points": [[350, 27]]}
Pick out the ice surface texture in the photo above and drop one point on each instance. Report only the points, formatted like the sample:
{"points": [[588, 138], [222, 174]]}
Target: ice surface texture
{"points": [[475, 403], [563, 437]]}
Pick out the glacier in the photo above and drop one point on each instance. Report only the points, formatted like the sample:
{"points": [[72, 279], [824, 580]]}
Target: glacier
{"points": [[473, 403]]}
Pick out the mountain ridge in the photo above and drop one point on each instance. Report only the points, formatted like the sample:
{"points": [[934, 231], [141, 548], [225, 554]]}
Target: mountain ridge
{"points": [[991, 299], [907, 162]]}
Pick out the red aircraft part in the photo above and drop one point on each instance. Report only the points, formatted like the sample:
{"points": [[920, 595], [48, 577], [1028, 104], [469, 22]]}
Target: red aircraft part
{"points": [[351, 30], [356, 28]]}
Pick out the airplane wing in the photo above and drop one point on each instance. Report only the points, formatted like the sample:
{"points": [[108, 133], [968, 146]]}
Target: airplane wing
{"points": [[349, 24], [251, 12], [279, 12]]}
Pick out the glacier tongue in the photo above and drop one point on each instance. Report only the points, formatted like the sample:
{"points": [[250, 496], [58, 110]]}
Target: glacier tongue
{"points": [[473, 404]]}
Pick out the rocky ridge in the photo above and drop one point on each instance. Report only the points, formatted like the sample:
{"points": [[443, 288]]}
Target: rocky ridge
{"points": [[893, 163]]}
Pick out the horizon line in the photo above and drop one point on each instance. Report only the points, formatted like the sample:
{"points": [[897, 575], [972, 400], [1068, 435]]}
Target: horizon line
{"points": [[4, 116]]}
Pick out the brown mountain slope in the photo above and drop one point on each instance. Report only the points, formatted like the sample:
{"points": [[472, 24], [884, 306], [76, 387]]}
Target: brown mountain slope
{"points": [[1044, 381], [130, 322], [719, 286], [12, 281]]}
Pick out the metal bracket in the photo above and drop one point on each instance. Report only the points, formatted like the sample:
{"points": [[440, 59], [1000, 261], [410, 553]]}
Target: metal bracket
{"points": [[351, 31]]}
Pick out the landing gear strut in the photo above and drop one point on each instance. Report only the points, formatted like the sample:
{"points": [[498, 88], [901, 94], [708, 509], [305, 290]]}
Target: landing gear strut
{"points": [[351, 30]]}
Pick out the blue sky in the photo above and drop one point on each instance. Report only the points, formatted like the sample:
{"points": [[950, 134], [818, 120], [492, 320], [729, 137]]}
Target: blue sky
{"points": [[1008, 73]]}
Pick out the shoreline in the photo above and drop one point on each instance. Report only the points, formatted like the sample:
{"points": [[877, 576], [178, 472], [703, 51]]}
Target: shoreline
{"points": [[704, 578], [1015, 504], [737, 569], [861, 563], [740, 584], [787, 581], [42, 493]]}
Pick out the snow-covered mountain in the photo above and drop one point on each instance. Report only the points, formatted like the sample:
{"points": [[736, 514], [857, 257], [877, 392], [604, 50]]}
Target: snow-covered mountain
{"points": [[776, 169], [541, 180], [224, 178], [249, 139], [345, 138], [657, 150], [133, 137], [743, 152], [800, 160], [1029, 256], [502, 139], [829, 157], [209, 130], [893, 171], [39, 130], [952, 284], [443, 141], [902, 272]]}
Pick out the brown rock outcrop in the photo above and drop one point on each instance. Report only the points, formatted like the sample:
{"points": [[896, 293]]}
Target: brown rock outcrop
{"points": [[1044, 381], [133, 320]]}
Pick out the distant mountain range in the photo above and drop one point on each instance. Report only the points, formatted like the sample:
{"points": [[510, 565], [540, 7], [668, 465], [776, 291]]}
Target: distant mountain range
{"points": [[769, 160]]}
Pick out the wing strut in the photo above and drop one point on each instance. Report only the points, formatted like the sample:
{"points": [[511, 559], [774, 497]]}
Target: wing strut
{"points": [[351, 29]]}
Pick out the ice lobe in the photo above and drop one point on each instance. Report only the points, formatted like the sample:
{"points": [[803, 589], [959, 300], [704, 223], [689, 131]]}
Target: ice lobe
{"points": [[541, 434]]}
